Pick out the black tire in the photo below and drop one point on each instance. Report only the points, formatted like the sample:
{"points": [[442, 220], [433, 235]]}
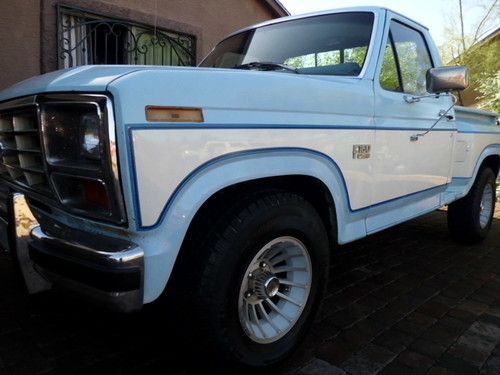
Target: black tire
{"points": [[464, 221], [236, 239]]}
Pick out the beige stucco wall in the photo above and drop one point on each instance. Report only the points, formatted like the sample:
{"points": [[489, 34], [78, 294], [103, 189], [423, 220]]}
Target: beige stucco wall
{"points": [[28, 27], [19, 40]]}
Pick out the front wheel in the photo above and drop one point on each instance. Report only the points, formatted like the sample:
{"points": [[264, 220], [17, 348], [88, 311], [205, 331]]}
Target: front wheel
{"points": [[264, 278], [470, 218]]}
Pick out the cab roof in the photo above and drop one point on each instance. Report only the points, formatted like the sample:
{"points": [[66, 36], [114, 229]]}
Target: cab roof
{"points": [[373, 9]]}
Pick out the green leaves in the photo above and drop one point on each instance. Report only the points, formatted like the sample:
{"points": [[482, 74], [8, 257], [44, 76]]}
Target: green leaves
{"points": [[480, 55], [489, 87]]}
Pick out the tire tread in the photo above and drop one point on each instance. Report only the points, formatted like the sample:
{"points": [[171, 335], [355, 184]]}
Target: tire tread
{"points": [[463, 221]]}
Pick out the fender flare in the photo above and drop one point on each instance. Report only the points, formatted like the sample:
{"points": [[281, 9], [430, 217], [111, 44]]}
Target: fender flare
{"points": [[164, 239], [491, 150]]}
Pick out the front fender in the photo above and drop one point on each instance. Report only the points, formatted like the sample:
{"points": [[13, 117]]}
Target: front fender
{"points": [[163, 239]]}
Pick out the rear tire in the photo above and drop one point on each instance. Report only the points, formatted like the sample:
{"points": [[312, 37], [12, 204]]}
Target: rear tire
{"points": [[470, 218], [242, 270]]}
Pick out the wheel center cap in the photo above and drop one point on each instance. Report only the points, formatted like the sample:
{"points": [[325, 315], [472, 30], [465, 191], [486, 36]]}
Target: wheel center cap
{"points": [[272, 286], [264, 283]]}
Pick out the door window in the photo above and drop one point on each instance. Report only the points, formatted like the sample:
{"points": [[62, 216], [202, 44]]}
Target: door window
{"points": [[406, 60], [389, 75]]}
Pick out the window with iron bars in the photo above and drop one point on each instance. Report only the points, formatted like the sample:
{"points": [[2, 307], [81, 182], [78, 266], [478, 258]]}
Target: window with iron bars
{"points": [[86, 38]]}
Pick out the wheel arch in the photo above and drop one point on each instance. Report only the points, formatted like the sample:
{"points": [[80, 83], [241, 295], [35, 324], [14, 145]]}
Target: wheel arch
{"points": [[308, 187], [300, 170], [489, 157], [493, 162]]}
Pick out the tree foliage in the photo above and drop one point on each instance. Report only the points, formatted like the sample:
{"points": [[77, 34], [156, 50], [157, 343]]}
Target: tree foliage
{"points": [[467, 47], [355, 54], [490, 90], [413, 64]]}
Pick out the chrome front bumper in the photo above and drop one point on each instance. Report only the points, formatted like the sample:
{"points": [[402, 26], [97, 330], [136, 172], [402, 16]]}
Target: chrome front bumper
{"points": [[107, 270]]}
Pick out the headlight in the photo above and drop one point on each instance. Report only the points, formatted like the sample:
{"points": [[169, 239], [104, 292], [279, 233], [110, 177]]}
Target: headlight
{"points": [[80, 154], [91, 140], [72, 134]]}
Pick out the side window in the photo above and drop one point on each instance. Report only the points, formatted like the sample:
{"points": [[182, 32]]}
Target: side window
{"points": [[389, 75], [354, 55], [314, 59], [412, 57]]}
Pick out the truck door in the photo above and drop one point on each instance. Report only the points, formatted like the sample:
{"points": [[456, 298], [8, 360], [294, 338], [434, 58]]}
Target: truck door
{"points": [[404, 168]]}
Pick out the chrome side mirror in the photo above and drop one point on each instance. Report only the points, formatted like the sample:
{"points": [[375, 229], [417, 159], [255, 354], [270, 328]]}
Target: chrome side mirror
{"points": [[447, 78]]}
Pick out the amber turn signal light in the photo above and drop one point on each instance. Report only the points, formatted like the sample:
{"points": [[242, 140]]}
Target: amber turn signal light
{"points": [[173, 114]]}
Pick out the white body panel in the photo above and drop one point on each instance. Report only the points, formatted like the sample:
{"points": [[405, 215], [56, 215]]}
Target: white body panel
{"points": [[192, 148], [402, 167], [474, 145]]}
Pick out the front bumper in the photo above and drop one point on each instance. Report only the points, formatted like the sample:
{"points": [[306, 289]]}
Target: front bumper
{"points": [[107, 270]]}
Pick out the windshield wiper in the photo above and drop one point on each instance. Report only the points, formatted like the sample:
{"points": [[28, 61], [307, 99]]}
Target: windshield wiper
{"points": [[266, 66]]}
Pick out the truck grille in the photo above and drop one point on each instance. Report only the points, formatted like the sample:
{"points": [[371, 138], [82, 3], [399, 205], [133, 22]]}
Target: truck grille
{"points": [[21, 160], [5, 220]]}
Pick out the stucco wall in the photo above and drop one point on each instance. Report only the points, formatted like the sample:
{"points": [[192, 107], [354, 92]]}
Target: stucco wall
{"points": [[28, 27], [19, 40]]}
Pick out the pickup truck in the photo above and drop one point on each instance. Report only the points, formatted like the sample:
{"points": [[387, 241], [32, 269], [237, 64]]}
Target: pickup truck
{"points": [[229, 184]]}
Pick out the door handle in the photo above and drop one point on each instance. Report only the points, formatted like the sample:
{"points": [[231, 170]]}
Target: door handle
{"points": [[442, 114]]}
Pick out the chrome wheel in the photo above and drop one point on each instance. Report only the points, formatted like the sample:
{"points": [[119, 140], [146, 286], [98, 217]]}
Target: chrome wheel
{"points": [[486, 206], [275, 289]]}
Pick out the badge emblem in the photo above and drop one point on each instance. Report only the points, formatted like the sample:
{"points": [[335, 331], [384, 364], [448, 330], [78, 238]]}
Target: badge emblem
{"points": [[361, 151]]}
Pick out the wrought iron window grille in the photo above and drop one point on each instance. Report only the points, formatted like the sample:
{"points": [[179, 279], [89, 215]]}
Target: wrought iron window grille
{"points": [[88, 38]]}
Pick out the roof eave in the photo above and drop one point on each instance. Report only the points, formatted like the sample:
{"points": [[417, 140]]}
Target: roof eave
{"points": [[278, 8]]}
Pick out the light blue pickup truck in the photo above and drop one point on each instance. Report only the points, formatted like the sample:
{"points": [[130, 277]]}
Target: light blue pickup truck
{"points": [[228, 185]]}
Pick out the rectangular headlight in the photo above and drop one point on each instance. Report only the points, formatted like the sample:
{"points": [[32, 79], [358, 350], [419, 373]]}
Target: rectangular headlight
{"points": [[80, 152], [72, 134]]}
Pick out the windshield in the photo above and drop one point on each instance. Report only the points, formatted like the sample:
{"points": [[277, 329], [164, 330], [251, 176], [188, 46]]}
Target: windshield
{"points": [[333, 44]]}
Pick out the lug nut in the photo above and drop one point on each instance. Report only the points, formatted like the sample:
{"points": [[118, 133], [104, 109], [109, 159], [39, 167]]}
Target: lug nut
{"points": [[250, 275], [248, 294], [263, 265]]}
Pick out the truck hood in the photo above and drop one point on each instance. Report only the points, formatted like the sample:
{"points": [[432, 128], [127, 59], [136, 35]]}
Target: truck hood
{"points": [[98, 78], [91, 78]]}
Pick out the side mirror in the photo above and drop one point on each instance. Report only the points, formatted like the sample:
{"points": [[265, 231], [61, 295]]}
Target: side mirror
{"points": [[447, 78]]}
